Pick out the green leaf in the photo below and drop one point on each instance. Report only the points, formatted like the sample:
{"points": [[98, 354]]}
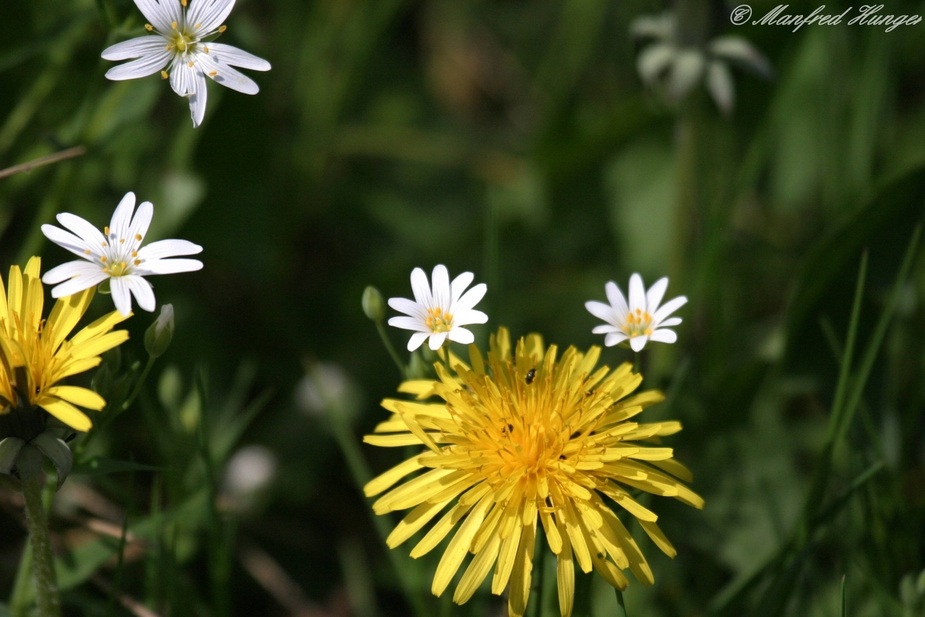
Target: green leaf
{"points": [[101, 465], [9, 450]]}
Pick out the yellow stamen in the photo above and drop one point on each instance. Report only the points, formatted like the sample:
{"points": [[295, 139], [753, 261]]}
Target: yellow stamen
{"points": [[149, 27], [87, 252], [138, 237], [222, 28], [190, 64], [438, 321], [106, 230], [173, 25], [164, 75], [213, 73], [183, 2], [121, 240]]}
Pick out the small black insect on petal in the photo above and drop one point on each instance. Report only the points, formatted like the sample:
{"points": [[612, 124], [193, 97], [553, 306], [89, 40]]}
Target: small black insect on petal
{"points": [[531, 374]]}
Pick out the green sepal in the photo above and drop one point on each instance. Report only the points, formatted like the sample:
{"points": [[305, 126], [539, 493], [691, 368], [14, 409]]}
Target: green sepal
{"points": [[58, 452], [9, 450]]}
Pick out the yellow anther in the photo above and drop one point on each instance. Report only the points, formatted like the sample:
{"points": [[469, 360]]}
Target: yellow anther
{"points": [[164, 75], [222, 28], [183, 2], [121, 240], [103, 259], [205, 48], [137, 262], [106, 230], [134, 253], [86, 251], [149, 27], [213, 73], [190, 64], [173, 25], [198, 26], [138, 237]]}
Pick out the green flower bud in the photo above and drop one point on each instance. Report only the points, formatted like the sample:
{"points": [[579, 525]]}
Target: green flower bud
{"points": [[373, 304], [160, 333]]}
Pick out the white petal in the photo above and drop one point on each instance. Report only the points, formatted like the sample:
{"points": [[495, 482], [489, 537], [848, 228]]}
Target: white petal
{"points": [[614, 338], [162, 14], [121, 220], [79, 282], [168, 248], [440, 280], [437, 340], [226, 76], [83, 228], [602, 311], [616, 299], [469, 317], [139, 47], [669, 307], [671, 321], [459, 284], [143, 292], [656, 293], [197, 101], [149, 65], [461, 335], [638, 342], [168, 266], [637, 294], [183, 77], [605, 329], [140, 222], [71, 269], [232, 56], [408, 307], [420, 288], [407, 323], [416, 339], [120, 294], [664, 336], [69, 241], [207, 15], [470, 298]]}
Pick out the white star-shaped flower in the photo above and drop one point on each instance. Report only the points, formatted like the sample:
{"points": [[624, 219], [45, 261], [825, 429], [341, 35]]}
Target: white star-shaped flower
{"points": [[116, 255], [439, 312], [639, 321], [178, 50]]}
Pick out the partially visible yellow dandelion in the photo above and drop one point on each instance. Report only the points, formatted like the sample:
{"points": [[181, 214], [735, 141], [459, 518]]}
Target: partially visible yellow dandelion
{"points": [[36, 356], [523, 441]]}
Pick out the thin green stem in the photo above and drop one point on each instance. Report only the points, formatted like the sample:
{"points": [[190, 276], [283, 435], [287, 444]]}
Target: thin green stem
{"points": [[361, 474], [380, 327], [43, 562], [621, 612], [138, 384]]}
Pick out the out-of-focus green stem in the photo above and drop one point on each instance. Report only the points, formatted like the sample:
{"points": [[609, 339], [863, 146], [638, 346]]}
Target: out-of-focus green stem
{"points": [[380, 328], [361, 475]]}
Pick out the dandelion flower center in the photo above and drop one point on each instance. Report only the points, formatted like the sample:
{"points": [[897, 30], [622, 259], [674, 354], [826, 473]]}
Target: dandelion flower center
{"points": [[638, 323], [438, 320]]}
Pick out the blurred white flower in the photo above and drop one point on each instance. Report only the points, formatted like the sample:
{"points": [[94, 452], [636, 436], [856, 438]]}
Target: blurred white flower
{"points": [[438, 312], [248, 472], [327, 388], [677, 68], [178, 50], [640, 320], [116, 255]]}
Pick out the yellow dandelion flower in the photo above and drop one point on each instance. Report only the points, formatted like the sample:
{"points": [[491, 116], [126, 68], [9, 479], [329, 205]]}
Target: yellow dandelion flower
{"points": [[522, 442], [36, 355]]}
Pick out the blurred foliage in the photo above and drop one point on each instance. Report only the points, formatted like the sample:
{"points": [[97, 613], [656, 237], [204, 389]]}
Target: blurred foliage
{"points": [[516, 140]]}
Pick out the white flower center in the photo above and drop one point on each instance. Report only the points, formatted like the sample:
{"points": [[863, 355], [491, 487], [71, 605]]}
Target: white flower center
{"points": [[120, 255], [638, 323], [438, 320]]}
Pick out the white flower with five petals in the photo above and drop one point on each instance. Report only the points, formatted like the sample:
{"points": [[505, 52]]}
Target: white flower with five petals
{"points": [[177, 48], [116, 255], [639, 321], [438, 312]]}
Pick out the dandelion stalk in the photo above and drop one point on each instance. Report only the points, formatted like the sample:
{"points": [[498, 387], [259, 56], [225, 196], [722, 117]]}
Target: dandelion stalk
{"points": [[43, 563]]}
